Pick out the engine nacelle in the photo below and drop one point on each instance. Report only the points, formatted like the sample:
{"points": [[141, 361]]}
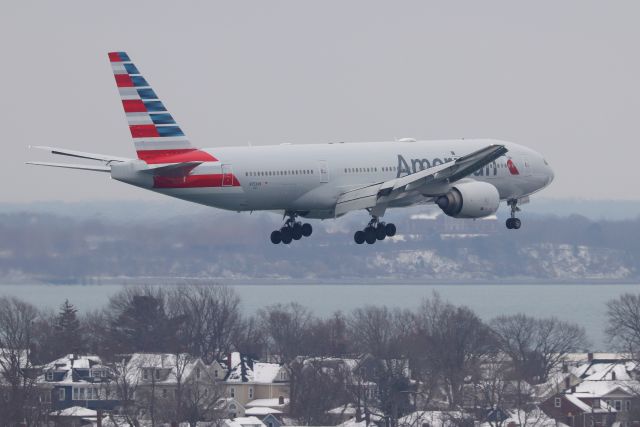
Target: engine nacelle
{"points": [[470, 200]]}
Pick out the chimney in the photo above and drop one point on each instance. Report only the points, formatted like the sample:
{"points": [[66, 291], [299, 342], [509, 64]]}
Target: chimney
{"points": [[281, 400], [567, 382], [565, 368], [573, 389], [613, 375], [590, 357], [229, 361]]}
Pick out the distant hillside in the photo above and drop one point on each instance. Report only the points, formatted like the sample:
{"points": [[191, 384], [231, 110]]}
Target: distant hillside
{"points": [[205, 243]]}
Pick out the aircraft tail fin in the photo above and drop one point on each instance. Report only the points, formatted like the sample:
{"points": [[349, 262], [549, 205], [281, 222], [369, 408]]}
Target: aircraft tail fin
{"points": [[156, 135]]}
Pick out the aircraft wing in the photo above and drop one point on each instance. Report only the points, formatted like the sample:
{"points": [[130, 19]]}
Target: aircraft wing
{"points": [[429, 182]]}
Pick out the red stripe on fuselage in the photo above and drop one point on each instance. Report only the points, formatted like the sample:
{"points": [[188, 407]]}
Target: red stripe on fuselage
{"points": [[123, 80], [196, 181], [175, 156]]}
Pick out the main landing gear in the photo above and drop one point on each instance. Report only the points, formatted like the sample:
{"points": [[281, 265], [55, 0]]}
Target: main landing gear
{"points": [[292, 230], [376, 230], [513, 223]]}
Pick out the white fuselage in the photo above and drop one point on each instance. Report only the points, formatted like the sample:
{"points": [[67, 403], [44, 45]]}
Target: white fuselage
{"points": [[309, 178]]}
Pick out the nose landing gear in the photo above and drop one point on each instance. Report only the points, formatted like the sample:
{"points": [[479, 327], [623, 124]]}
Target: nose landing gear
{"points": [[513, 223], [376, 230], [291, 230]]}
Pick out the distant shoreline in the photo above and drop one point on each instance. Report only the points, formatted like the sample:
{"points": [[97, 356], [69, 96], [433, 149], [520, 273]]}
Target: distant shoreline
{"points": [[176, 281]]}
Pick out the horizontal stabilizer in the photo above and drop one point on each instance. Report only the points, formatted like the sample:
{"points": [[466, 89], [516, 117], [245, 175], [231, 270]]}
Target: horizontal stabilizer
{"points": [[82, 155], [72, 166]]}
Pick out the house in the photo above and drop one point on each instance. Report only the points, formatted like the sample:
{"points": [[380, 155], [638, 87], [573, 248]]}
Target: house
{"points": [[607, 393], [248, 380], [168, 375], [78, 380]]}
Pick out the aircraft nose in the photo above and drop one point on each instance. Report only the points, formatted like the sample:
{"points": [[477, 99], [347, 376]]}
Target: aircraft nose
{"points": [[550, 174]]}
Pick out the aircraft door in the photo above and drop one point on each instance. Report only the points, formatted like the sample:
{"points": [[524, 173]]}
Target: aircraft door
{"points": [[324, 170], [227, 176]]}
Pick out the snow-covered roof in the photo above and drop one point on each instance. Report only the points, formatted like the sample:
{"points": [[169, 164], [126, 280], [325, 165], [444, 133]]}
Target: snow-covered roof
{"points": [[578, 403], [351, 422], [172, 364], [244, 422], [602, 379], [261, 411], [267, 403], [75, 411], [245, 369], [67, 364], [555, 384]]}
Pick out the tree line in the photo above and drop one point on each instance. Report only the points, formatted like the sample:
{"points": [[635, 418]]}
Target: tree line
{"points": [[436, 355]]}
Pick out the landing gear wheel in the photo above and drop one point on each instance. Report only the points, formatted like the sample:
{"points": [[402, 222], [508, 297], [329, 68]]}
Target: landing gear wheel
{"points": [[390, 229], [306, 229], [285, 235], [276, 237], [514, 223], [380, 232], [370, 235], [359, 237], [296, 231]]}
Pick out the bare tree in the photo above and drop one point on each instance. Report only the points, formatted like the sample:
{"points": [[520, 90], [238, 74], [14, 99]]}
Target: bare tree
{"points": [[201, 397], [321, 386], [210, 316], [371, 330], [623, 326], [250, 339], [455, 341], [286, 327], [126, 379], [537, 346], [20, 396]]}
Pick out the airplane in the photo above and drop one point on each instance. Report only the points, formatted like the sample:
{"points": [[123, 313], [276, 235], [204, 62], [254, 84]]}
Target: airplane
{"points": [[466, 178]]}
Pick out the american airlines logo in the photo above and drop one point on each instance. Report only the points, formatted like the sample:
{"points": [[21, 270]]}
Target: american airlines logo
{"points": [[419, 164], [407, 167]]}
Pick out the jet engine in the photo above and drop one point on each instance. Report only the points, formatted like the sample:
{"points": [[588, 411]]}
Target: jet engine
{"points": [[470, 200]]}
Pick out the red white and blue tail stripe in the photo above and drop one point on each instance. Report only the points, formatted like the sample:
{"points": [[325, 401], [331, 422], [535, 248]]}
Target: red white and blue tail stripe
{"points": [[156, 135]]}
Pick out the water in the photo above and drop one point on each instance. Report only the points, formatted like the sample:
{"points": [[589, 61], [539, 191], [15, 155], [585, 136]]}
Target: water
{"points": [[582, 304]]}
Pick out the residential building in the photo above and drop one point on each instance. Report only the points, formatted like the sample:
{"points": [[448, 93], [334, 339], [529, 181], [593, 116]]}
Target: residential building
{"points": [[78, 380], [248, 380], [167, 376], [607, 392]]}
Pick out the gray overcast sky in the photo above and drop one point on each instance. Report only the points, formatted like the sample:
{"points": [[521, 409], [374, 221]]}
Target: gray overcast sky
{"points": [[560, 77]]}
